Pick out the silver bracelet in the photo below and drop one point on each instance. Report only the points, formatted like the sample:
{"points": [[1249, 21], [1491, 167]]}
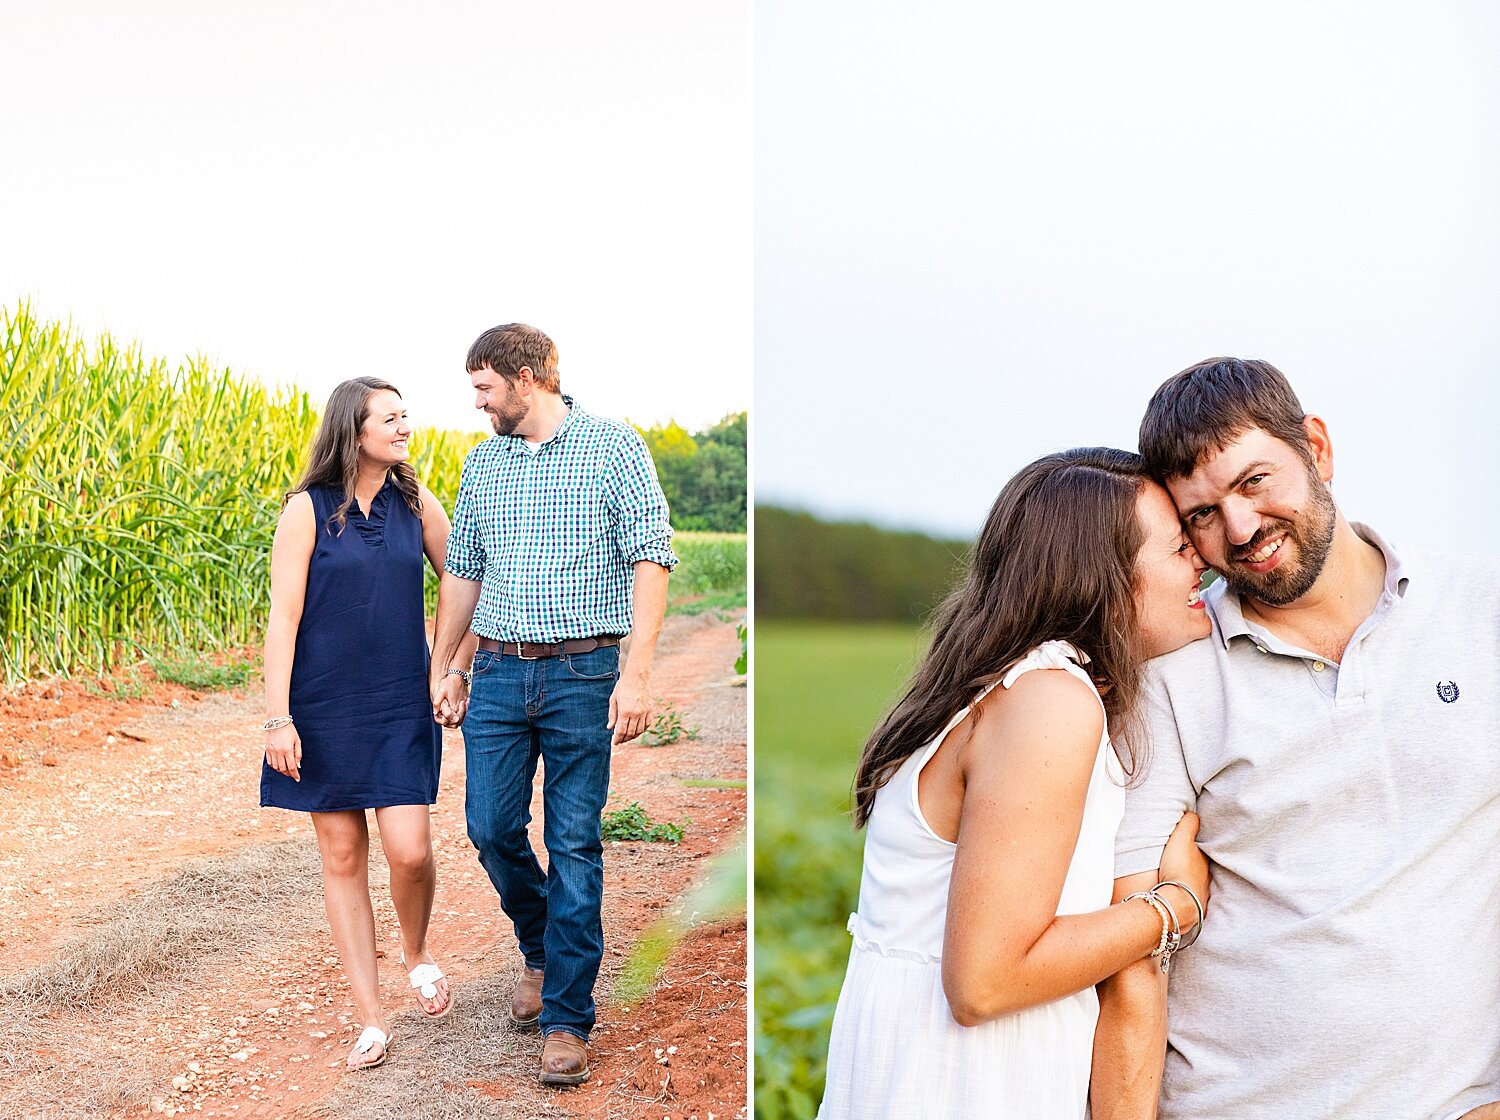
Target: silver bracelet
{"points": [[276, 721], [1163, 911], [468, 677], [1171, 932], [1197, 905]]}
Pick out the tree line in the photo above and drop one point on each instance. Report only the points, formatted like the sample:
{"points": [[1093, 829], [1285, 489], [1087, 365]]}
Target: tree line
{"points": [[809, 568], [703, 474]]}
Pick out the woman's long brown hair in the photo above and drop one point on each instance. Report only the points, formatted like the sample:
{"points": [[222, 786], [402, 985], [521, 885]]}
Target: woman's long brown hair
{"points": [[1055, 560], [334, 459]]}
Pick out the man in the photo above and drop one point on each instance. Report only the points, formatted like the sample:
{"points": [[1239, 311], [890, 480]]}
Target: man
{"points": [[1339, 736], [560, 546]]}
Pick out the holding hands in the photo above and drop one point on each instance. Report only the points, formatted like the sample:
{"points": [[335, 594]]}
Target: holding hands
{"points": [[450, 697]]}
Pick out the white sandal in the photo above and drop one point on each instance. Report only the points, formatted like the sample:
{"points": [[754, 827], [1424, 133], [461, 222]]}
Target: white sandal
{"points": [[370, 1038], [424, 979]]}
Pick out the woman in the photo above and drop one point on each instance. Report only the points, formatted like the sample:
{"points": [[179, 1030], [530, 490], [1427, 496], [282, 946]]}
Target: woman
{"points": [[349, 723], [984, 913]]}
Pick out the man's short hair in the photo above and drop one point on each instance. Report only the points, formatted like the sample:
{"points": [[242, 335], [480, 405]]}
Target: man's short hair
{"points": [[508, 348], [1212, 403]]}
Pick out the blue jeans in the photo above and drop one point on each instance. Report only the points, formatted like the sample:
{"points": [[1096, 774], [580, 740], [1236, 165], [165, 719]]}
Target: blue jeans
{"points": [[554, 709]]}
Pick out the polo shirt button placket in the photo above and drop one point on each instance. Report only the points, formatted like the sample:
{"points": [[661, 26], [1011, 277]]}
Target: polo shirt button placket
{"points": [[1327, 682]]}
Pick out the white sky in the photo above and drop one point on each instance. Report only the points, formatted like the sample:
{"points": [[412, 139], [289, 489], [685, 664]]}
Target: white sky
{"points": [[310, 191], [988, 232]]}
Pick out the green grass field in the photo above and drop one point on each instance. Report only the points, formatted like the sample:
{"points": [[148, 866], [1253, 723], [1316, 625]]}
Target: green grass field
{"points": [[712, 571], [819, 689]]}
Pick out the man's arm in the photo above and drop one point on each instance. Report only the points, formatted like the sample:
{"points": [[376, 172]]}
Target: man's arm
{"points": [[1130, 1042], [630, 702]]}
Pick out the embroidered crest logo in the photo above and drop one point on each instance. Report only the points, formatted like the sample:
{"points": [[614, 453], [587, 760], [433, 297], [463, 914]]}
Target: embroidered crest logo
{"points": [[1447, 691]]}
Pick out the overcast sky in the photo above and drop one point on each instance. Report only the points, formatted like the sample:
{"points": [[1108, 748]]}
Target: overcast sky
{"points": [[311, 191], [988, 232]]}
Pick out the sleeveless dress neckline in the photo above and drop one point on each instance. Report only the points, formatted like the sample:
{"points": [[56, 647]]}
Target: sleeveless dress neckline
{"points": [[371, 524]]}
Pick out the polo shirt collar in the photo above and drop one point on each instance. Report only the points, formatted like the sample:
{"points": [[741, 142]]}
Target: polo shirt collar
{"points": [[1231, 615]]}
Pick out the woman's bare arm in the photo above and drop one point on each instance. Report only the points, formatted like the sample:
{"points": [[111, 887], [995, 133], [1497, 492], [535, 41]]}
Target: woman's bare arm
{"points": [[1026, 771], [435, 530], [291, 552]]}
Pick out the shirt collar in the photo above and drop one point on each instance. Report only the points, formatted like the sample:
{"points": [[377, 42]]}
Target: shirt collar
{"points": [[512, 443], [1230, 614]]}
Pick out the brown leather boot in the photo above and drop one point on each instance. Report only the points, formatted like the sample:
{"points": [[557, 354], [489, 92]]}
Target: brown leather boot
{"points": [[526, 1000], [565, 1059]]}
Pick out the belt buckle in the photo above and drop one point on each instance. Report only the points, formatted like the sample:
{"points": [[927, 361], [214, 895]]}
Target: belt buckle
{"points": [[521, 652]]}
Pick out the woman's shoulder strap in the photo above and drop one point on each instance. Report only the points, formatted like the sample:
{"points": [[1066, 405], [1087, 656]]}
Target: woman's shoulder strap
{"points": [[1051, 655]]}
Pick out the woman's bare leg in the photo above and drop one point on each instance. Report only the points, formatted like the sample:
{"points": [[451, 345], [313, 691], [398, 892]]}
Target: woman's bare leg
{"points": [[344, 841], [406, 837]]}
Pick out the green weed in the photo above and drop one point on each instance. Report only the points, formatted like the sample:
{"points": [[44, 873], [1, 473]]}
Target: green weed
{"points": [[668, 726], [633, 823], [197, 672], [127, 683]]}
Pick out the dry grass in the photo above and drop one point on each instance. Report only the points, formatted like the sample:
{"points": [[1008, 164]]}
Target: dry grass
{"points": [[56, 1051], [432, 1064], [149, 943]]}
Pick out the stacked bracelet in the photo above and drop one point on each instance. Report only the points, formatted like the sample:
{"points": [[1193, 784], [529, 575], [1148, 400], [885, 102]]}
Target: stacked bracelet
{"points": [[1171, 932], [1197, 905], [276, 721], [1164, 912]]}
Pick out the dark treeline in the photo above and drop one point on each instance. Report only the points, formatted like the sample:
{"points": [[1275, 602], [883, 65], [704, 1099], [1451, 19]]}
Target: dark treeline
{"points": [[807, 568], [703, 474]]}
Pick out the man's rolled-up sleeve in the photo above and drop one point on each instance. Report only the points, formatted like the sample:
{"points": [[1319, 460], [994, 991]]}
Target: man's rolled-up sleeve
{"points": [[642, 529], [466, 557], [1155, 803]]}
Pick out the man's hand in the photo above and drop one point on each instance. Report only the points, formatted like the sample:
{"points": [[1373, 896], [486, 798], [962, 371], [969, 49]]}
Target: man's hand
{"points": [[629, 707], [450, 699]]}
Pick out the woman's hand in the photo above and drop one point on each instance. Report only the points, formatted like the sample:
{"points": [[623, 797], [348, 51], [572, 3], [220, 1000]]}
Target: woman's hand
{"points": [[1183, 861], [450, 700], [284, 751]]}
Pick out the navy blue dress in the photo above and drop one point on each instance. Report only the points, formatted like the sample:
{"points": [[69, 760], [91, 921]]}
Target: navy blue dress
{"points": [[359, 674]]}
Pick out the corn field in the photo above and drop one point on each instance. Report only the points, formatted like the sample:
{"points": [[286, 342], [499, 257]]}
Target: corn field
{"points": [[139, 502]]}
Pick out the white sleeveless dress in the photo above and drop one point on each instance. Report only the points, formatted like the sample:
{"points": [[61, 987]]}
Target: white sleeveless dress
{"points": [[896, 1051]]}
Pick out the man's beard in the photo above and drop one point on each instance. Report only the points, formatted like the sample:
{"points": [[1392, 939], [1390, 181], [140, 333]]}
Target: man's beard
{"points": [[504, 418], [1312, 533]]}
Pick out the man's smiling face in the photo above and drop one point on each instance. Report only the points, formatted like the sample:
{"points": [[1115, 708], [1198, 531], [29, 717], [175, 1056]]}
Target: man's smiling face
{"points": [[1261, 515], [497, 397]]}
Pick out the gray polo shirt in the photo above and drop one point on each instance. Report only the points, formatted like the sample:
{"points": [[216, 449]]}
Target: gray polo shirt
{"points": [[1350, 965]]}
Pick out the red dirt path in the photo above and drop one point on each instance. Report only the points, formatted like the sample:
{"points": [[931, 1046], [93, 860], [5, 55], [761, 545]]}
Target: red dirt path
{"points": [[100, 796]]}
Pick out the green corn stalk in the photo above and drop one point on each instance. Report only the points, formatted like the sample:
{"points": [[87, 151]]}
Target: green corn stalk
{"points": [[139, 501]]}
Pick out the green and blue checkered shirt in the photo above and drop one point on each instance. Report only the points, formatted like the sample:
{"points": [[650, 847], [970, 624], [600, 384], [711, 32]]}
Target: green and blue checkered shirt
{"points": [[552, 532]]}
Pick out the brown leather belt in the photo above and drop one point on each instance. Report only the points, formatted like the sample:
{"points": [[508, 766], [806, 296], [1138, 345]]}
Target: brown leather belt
{"points": [[530, 651]]}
